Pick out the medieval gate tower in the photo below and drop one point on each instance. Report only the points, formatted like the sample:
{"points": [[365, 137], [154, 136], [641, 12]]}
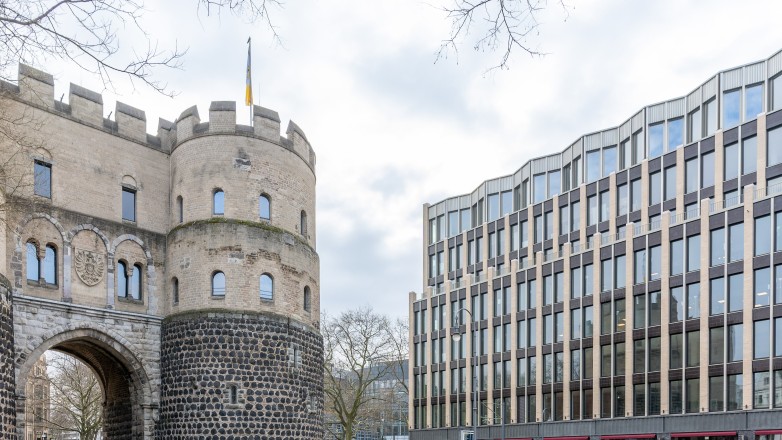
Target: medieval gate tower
{"points": [[181, 266]]}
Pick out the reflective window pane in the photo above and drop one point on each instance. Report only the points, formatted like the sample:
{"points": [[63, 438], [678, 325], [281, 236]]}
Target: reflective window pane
{"points": [[731, 164], [707, 167], [609, 160], [735, 292], [675, 133], [656, 132], [749, 149], [731, 108], [735, 342], [774, 146], [753, 101]]}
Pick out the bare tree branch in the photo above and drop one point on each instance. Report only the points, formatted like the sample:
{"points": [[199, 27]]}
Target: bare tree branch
{"points": [[499, 25], [76, 397], [84, 32], [360, 351]]}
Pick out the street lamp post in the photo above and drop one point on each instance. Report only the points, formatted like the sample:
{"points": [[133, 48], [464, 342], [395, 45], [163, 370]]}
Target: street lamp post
{"points": [[458, 337]]}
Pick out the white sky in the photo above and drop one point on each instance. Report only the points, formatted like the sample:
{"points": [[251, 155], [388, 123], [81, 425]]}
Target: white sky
{"points": [[393, 130]]}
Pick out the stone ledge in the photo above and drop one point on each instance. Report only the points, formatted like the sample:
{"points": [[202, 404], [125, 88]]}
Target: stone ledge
{"points": [[243, 314]]}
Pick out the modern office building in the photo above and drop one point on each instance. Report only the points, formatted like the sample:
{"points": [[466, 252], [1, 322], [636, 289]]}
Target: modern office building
{"points": [[629, 286]]}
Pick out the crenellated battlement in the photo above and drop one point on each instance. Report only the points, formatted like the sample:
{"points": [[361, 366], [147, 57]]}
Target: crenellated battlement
{"points": [[36, 87]]}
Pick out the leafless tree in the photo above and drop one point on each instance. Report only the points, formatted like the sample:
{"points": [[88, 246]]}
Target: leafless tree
{"points": [[76, 398], [399, 333], [20, 141], [503, 26], [359, 351], [84, 32]]}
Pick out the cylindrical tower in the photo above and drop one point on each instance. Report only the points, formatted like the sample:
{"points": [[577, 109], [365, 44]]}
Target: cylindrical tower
{"points": [[7, 382], [241, 354]]}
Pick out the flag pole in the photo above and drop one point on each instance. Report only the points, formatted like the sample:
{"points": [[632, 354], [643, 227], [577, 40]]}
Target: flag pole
{"points": [[248, 92]]}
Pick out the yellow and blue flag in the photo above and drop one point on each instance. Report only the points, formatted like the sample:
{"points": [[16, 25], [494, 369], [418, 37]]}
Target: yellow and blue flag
{"points": [[248, 90]]}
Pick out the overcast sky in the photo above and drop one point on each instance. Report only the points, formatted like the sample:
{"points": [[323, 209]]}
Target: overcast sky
{"points": [[393, 130]]}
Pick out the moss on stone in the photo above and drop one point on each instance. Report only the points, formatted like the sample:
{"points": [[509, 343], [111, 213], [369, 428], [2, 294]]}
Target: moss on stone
{"points": [[250, 224]]}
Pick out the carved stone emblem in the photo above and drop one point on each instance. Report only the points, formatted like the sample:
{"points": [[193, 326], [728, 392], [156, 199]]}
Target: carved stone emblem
{"points": [[89, 266]]}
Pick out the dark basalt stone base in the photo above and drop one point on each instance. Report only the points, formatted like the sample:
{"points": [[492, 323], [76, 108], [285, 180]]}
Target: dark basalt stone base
{"points": [[7, 382], [240, 376]]}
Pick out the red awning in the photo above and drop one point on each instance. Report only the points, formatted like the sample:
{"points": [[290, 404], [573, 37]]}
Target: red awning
{"points": [[626, 436], [769, 432], [585, 437], [703, 434]]}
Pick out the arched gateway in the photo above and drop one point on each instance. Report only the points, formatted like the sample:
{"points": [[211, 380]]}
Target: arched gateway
{"points": [[129, 403]]}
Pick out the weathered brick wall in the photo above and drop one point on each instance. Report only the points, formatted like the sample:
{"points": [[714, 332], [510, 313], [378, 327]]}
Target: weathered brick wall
{"points": [[242, 251], [244, 168], [203, 354], [7, 385], [123, 348], [71, 234]]}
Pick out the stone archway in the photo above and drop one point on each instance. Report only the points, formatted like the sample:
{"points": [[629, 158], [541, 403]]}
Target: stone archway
{"points": [[128, 399]]}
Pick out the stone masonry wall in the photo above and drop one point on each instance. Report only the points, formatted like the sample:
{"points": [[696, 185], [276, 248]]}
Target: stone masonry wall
{"points": [[7, 403], [274, 364]]}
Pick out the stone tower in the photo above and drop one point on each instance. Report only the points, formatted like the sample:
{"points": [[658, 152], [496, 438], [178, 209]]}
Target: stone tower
{"points": [[244, 360], [180, 266]]}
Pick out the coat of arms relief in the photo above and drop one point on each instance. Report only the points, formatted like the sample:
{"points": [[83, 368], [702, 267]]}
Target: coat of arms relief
{"points": [[89, 266]]}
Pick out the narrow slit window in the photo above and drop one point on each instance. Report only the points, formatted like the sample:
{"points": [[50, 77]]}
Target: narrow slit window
{"points": [[218, 202], [265, 207], [33, 266], [50, 265], [135, 282], [307, 299], [267, 287], [218, 284], [180, 209], [122, 280]]}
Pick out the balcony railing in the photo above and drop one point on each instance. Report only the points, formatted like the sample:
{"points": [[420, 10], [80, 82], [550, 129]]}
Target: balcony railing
{"points": [[550, 255], [730, 202], [647, 227], [606, 238], [772, 190], [526, 263], [501, 271]]}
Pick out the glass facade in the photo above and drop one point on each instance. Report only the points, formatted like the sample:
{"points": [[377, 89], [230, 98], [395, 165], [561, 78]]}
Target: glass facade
{"points": [[639, 310]]}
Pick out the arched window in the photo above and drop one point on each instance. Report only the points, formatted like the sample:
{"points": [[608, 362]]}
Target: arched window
{"points": [[135, 282], [50, 265], [175, 290], [265, 207], [33, 266], [218, 202], [122, 279], [307, 299], [303, 227], [267, 287], [180, 209], [218, 284]]}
